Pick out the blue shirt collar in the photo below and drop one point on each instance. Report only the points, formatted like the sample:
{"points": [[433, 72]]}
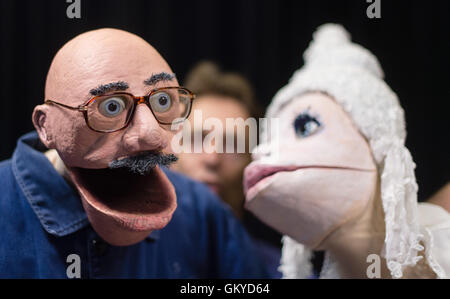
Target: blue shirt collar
{"points": [[55, 203]]}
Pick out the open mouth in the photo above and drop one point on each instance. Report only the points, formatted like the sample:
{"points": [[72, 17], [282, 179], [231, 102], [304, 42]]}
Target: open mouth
{"points": [[117, 200]]}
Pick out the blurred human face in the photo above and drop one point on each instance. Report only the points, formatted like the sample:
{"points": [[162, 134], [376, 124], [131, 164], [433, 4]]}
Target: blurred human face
{"points": [[222, 172]]}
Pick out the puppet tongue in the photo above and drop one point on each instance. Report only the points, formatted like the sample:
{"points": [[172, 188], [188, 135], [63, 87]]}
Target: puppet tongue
{"points": [[124, 207]]}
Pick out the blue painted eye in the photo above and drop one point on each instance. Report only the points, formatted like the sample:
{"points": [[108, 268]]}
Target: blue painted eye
{"points": [[161, 102], [112, 106], [305, 125]]}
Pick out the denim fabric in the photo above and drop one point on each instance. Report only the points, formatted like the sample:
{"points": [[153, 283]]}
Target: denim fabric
{"points": [[42, 222]]}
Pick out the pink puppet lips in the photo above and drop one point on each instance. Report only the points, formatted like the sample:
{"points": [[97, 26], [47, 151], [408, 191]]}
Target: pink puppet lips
{"points": [[124, 207], [256, 175]]}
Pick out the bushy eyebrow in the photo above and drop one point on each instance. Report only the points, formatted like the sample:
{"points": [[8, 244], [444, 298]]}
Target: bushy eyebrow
{"points": [[155, 78], [104, 88]]}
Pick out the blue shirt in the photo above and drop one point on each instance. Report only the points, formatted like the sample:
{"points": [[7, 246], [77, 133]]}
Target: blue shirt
{"points": [[42, 222]]}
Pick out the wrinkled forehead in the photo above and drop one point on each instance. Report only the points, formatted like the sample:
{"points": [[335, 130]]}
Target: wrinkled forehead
{"points": [[99, 59]]}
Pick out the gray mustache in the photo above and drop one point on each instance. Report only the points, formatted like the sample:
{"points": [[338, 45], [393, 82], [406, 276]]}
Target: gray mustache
{"points": [[143, 163]]}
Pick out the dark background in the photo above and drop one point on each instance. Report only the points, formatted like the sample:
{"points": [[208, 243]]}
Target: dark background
{"points": [[263, 39]]}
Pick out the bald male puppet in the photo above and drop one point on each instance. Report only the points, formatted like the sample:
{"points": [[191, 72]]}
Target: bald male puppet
{"points": [[91, 184]]}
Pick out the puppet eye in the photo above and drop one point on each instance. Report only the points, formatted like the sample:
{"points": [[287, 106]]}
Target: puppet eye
{"points": [[161, 102], [305, 125], [112, 106]]}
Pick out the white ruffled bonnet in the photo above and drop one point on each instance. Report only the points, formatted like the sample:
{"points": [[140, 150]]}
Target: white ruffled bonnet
{"points": [[354, 78]]}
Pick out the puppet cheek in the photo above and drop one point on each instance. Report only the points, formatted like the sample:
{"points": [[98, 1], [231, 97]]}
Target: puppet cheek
{"points": [[308, 204], [71, 136]]}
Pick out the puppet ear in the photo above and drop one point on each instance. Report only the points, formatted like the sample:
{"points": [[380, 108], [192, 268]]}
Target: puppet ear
{"points": [[40, 121]]}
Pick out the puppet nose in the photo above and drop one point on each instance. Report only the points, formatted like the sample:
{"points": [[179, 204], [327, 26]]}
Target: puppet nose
{"points": [[144, 132]]}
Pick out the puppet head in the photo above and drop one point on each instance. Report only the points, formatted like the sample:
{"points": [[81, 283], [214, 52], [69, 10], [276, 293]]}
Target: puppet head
{"points": [[111, 145], [341, 131]]}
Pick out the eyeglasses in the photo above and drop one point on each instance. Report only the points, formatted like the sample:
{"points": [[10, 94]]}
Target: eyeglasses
{"points": [[113, 112]]}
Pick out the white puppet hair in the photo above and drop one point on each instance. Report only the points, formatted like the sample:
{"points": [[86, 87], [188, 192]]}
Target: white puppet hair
{"points": [[353, 77]]}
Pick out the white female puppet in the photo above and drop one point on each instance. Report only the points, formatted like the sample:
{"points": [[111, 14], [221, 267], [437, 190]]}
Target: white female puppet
{"points": [[339, 177]]}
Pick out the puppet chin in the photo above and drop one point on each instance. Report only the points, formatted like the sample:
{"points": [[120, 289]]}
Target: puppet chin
{"points": [[123, 207], [308, 204]]}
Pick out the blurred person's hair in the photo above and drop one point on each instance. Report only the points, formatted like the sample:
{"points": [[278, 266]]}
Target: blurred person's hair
{"points": [[206, 78]]}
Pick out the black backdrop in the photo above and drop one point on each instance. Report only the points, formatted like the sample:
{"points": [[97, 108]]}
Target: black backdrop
{"points": [[263, 39]]}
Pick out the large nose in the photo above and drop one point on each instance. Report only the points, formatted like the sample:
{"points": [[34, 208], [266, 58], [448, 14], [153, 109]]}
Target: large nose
{"points": [[144, 132]]}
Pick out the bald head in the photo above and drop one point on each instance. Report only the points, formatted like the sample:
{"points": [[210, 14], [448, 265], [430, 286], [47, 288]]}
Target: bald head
{"points": [[101, 57]]}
